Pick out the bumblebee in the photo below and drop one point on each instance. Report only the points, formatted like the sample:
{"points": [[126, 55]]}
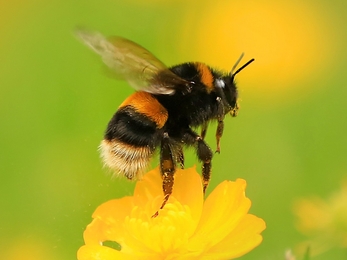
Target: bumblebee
{"points": [[161, 115]]}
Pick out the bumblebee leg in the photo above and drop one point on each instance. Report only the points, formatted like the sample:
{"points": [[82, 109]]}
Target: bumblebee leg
{"points": [[220, 126], [204, 130], [235, 110], [180, 157], [204, 155], [167, 168], [219, 133]]}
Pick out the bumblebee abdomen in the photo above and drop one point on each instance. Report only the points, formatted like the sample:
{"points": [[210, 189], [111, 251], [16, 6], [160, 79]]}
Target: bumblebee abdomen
{"points": [[131, 127], [147, 105], [133, 134], [125, 159]]}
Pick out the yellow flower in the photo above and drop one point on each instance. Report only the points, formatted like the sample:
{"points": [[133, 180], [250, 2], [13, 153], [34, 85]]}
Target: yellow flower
{"points": [[325, 221], [186, 228]]}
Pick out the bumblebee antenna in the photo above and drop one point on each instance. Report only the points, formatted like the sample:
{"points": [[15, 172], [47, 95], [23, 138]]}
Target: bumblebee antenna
{"points": [[232, 73], [237, 63]]}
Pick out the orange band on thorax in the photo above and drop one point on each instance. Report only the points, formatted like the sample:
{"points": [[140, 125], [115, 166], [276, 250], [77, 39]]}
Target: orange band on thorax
{"points": [[206, 75]]}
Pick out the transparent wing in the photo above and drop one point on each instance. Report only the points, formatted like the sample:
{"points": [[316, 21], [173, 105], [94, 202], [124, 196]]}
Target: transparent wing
{"points": [[133, 63]]}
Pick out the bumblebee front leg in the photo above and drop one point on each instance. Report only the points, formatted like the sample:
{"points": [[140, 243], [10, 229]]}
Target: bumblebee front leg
{"points": [[220, 126], [235, 109], [167, 169], [219, 133], [204, 155]]}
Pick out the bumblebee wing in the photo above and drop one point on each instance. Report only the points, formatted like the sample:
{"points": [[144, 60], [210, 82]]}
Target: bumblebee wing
{"points": [[133, 63]]}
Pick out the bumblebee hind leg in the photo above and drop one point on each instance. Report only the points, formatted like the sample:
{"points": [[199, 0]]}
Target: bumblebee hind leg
{"points": [[167, 168], [180, 157]]}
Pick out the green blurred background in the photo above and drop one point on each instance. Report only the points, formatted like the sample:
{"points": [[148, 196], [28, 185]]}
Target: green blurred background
{"points": [[289, 140]]}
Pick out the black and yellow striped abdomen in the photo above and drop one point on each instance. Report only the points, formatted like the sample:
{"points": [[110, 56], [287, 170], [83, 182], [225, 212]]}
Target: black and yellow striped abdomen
{"points": [[133, 134]]}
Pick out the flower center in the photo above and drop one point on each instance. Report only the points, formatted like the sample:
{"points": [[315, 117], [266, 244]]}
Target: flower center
{"points": [[164, 234]]}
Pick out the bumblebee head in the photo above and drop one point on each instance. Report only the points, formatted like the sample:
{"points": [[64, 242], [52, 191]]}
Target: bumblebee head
{"points": [[227, 83]]}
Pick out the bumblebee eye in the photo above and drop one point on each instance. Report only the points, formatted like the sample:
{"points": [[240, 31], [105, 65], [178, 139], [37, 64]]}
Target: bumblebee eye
{"points": [[220, 83]]}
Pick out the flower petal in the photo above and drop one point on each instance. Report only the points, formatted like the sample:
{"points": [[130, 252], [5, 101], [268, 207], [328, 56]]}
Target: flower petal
{"points": [[98, 252], [186, 228], [314, 215], [223, 210], [245, 237], [149, 188], [106, 224], [190, 195]]}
